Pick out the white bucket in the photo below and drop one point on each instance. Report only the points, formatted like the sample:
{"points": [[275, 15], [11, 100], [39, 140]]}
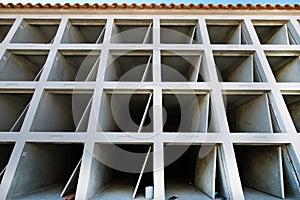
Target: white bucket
{"points": [[149, 192]]}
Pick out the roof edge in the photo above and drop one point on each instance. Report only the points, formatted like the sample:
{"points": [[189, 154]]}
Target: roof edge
{"points": [[162, 6]]}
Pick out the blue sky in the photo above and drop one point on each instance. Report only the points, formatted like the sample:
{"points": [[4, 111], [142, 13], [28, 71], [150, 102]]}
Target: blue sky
{"points": [[272, 2]]}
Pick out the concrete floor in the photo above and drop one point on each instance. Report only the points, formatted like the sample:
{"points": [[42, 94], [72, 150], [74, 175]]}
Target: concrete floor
{"points": [[118, 190], [255, 194], [184, 191], [50, 193], [250, 194]]}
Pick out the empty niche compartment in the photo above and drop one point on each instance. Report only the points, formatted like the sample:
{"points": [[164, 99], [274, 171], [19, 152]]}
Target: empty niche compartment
{"points": [[183, 66], [180, 32], [84, 31], [251, 111], [132, 31], [17, 65], [267, 172], [228, 32], [285, 66], [129, 66], [238, 67], [63, 111], [13, 109], [36, 31], [186, 111], [5, 25], [126, 111], [275, 32], [194, 172], [293, 104], [75, 66], [120, 171], [46, 171], [5, 152]]}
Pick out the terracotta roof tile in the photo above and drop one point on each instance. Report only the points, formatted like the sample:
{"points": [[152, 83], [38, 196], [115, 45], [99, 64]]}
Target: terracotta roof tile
{"points": [[151, 6]]}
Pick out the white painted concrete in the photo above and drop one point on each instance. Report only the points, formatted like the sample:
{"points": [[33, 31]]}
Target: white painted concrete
{"points": [[55, 124]]}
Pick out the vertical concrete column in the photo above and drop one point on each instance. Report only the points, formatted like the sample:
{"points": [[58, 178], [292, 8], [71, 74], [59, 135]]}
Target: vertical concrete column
{"points": [[158, 173], [158, 157], [93, 122], [233, 180], [11, 168], [214, 84], [85, 170], [156, 51], [232, 171], [10, 34], [295, 152], [294, 27]]}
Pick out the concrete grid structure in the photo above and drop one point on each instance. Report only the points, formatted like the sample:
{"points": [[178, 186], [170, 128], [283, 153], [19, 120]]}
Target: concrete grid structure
{"points": [[82, 88]]}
